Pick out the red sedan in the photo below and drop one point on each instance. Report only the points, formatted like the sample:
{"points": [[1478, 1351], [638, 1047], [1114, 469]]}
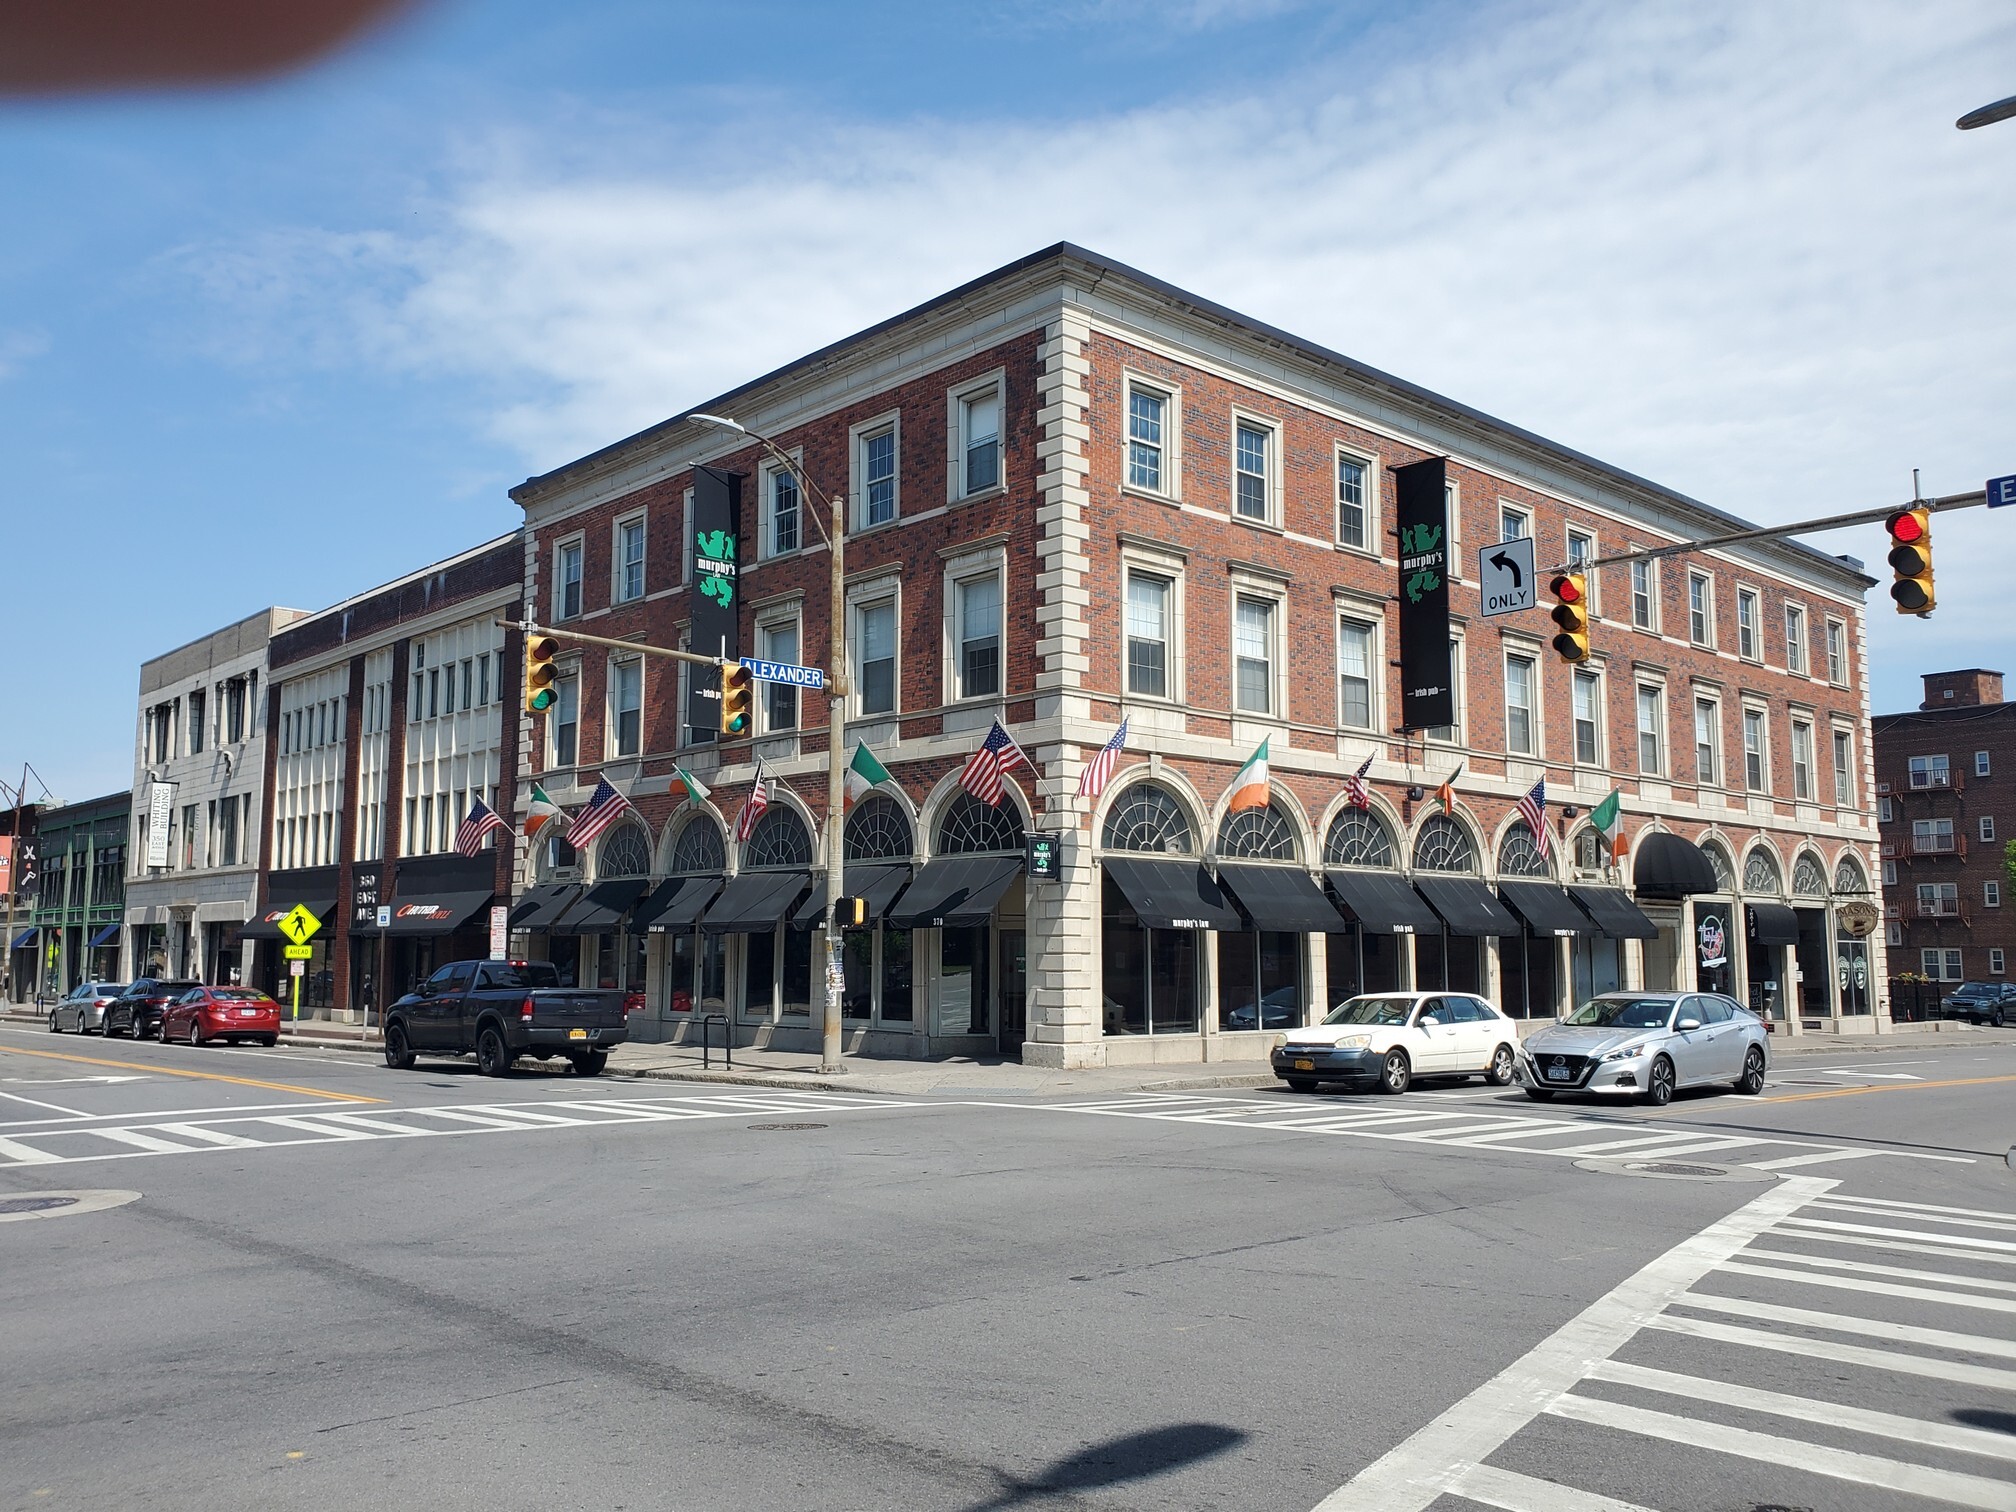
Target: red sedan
{"points": [[221, 1013]]}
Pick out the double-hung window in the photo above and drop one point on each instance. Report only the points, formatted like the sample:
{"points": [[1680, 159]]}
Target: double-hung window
{"points": [[1802, 759], [1746, 625], [1513, 524], [980, 440], [979, 623], [1588, 700], [1707, 741], [1354, 485], [779, 640], [565, 721], [1931, 772], [196, 731], [1938, 899], [1450, 734], [1991, 894], [1795, 638], [1700, 610], [626, 708], [781, 525], [630, 560], [1644, 600], [1651, 729], [1520, 680], [1147, 420], [1844, 769], [1148, 600], [875, 654], [878, 477], [1253, 653], [1354, 674], [1253, 470], [1983, 764], [1985, 826], [567, 585], [1753, 750], [1837, 653]]}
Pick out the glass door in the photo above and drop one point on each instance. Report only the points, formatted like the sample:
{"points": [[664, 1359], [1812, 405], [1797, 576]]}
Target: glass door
{"points": [[1014, 990]]}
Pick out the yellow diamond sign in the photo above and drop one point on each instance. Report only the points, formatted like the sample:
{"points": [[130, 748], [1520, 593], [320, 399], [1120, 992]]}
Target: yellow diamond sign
{"points": [[300, 925]]}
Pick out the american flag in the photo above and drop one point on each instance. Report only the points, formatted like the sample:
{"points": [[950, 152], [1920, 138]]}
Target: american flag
{"points": [[998, 755], [1356, 794], [1100, 772], [604, 809], [753, 806], [1533, 809], [481, 821]]}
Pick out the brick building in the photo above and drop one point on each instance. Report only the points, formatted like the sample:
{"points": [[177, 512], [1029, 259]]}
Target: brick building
{"points": [[1076, 493], [386, 716], [1944, 776]]}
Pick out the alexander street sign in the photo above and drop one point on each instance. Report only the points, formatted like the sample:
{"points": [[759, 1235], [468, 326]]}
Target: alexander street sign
{"points": [[784, 672]]}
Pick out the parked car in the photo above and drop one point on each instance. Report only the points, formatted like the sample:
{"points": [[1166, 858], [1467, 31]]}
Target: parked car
{"points": [[1279, 1009], [1390, 1038], [1647, 1044], [500, 1010], [203, 1014], [81, 1010], [1990, 1003], [137, 1011]]}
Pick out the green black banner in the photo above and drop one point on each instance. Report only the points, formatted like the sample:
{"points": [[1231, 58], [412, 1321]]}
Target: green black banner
{"points": [[1427, 681], [716, 534]]}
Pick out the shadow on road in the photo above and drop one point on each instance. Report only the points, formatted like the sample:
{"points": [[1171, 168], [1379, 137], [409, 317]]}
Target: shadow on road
{"points": [[1132, 1457]]}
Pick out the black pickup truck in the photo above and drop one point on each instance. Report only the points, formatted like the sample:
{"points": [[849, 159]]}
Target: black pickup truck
{"points": [[501, 1010]]}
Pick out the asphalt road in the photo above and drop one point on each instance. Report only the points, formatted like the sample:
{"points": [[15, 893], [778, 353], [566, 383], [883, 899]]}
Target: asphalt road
{"points": [[341, 1286]]}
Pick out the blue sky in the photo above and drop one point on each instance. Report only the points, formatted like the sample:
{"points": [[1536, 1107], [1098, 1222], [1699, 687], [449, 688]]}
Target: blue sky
{"points": [[278, 344]]}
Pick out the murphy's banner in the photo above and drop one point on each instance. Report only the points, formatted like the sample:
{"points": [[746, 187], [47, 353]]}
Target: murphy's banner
{"points": [[1427, 683], [716, 524]]}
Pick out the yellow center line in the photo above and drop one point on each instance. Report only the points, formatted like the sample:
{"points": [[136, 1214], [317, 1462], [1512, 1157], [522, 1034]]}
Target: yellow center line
{"points": [[241, 1081]]}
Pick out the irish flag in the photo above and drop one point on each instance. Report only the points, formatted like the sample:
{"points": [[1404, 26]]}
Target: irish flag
{"points": [[1249, 788], [688, 788], [541, 809], [863, 772], [1446, 794]]}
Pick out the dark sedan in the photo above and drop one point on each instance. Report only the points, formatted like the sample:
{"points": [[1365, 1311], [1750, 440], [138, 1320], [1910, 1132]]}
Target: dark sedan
{"points": [[137, 1011]]}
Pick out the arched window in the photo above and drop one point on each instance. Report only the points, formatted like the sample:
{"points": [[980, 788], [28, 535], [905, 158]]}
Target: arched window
{"points": [[1358, 837], [1849, 878], [1718, 863], [1760, 872], [556, 855], [780, 839], [626, 852], [1809, 877], [1442, 846], [1519, 853], [1147, 819], [698, 849], [971, 827], [1257, 835], [878, 830]]}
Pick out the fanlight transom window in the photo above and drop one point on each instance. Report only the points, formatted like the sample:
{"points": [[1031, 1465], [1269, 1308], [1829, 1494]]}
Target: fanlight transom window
{"points": [[1358, 837], [1147, 819], [625, 853], [698, 849], [1760, 872], [1718, 863], [780, 839], [878, 830], [1263, 834], [971, 827], [1442, 846], [1809, 877], [1519, 853], [1849, 877]]}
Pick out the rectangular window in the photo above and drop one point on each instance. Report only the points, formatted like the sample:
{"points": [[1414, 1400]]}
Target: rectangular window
{"points": [[188, 836], [1451, 733], [1982, 766], [1844, 769], [980, 637], [878, 477], [1753, 750], [1802, 759], [234, 710], [1146, 411], [1795, 638], [980, 440], [1253, 448], [1995, 959], [1700, 612], [1837, 653], [1707, 742], [1991, 894], [1987, 827], [1588, 719], [196, 731], [780, 700], [565, 721], [1889, 873], [433, 698], [448, 691], [468, 683], [1651, 730], [1883, 813], [1644, 607], [630, 560], [876, 651], [568, 587], [227, 833], [1746, 625], [1513, 524], [1932, 837], [1353, 490], [1931, 772], [781, 532], [482, 680], [1519, 683], [1354, 674], [626, 708], [1253, 652], [1939, 899], [1148, 627]]}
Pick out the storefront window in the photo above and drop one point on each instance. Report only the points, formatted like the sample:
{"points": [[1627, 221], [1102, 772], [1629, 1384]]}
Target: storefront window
{"points": [[1150, 975]]}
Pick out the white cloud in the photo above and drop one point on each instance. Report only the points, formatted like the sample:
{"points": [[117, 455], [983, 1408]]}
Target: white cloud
{"points": [[1739, 250]]}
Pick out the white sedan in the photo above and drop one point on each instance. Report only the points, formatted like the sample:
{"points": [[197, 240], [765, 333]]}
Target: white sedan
{"points": [[1390, 1038]]}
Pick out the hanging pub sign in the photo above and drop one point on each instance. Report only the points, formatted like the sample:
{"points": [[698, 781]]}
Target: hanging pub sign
{"points": [[715, 523], [1042, 856], [1427, 681], [1713, 936]]}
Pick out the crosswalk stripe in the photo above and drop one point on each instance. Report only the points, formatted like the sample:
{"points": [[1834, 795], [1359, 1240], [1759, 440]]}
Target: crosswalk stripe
{"points": [[1866, 1267], [1894, 1361], [1963, 1241], [1793, 1162], [140, 1140], [1879, 1288], [1645, 1144], [1874, 1328], [1818, 1459], [482, 1120], [380, 1124], [311, 1126], [1512, 1492], [21, 1154], [2005, 1225], [1902, 1246], [1916, 1207], [208, 1136], [1807, 1410]]}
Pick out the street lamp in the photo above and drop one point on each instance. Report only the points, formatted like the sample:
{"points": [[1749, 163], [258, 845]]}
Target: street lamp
{"points": [[836, 713], [1987, 115]]}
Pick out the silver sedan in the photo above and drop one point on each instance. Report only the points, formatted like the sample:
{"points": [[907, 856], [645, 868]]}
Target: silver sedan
{"points": [[1647, 1044], [82, 1008]]}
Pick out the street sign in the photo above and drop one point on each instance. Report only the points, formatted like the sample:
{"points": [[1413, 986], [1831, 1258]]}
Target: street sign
{"points": [[1506, 579], [297, 969], [500, 918], [298, 952], [300, 925], [784, 672], [2002, 491], [384, 915]]}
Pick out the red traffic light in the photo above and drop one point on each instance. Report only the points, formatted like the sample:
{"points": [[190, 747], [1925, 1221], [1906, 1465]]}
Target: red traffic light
{"points": [[1567, 588], [1907, 525]]}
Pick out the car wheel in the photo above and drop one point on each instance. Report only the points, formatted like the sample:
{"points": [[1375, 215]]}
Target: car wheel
{"points": [[1995, 1019], [1500, 1072], [54, 1026], [269, 1040], [110, 1029], [398, 1053], [492, 1059], [1395, 1073], [589, 1062], [1300, 1084], [195, 1032], [1540, 1094], [1659, 1082], [1751, 1082]]}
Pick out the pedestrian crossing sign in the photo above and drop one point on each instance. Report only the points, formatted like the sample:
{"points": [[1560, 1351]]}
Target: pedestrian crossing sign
{"points": [[300, 925]]}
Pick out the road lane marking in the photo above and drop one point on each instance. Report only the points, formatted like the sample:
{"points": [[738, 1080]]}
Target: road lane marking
{"points": [[1878, 1288], [139, 1140], [1869, 1268], [1944, 1252], [1916, 1086], [1960, 1241], [217, 1076], [50, 1125], [1870, 1328], [1512, 1492], [22, 1154], [1792, 1162], [1919, 1207], [1889, 1361], [1954, 1220], [208, 1136], [1877, 1075], [37, 1103]]}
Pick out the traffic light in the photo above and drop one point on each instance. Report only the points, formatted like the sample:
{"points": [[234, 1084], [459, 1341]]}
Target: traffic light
{"points": [[738, 693], [539, 673], [1911, 559], [851, 913], [1571, 614]]}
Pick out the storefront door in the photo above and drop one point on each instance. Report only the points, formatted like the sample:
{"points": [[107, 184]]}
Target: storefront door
{"points": [[963, 991], [1816, 966], [1014, 947], [1851, 962]]}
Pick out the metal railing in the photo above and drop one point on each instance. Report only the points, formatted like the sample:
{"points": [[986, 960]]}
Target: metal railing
{"points": [[707, 1042]]}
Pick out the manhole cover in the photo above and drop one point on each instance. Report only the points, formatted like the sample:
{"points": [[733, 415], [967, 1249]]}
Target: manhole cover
{"points": [[1667, 1168], [1652, 1169], [29, 1207], [34, 1204], [787, 1127]]}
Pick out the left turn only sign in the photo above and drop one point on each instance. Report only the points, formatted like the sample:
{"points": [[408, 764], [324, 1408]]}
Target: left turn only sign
{"points": [[300, 925]]}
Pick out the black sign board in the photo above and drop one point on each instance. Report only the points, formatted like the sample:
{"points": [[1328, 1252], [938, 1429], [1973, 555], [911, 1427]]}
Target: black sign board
{"points": [[1043, 856], [716, 534], [1427, 681], [366, 883]]}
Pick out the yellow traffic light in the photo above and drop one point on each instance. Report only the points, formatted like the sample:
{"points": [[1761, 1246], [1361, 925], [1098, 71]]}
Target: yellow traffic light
{"points": [[1911, 559], [540, 672], [738, 694], [1571, 615]]}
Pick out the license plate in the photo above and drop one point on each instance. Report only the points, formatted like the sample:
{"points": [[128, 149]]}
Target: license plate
{"points": [[248, 1013], [1559, 1073], [574, 1034], [1305, 1065]]}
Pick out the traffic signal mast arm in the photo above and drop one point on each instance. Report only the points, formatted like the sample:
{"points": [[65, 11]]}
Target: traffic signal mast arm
{"points": [[620, 645]]}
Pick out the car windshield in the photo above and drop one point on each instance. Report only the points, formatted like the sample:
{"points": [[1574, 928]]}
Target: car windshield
{"points": [[1623, 1013], [1371, 1010]]}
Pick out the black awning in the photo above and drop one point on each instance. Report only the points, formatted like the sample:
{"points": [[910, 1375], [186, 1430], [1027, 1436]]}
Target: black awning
{"points": [[956, 892], [1173, 894], [1616, 916], [602, 910], [1546, 908], [1671, 868], [267, 925], [1383, 902], [645, 914], [1280, 897], [755, 902], [1467, 906], [436, 916], [879, 883], [677, 905], [542, 907], [1772, 924]]}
